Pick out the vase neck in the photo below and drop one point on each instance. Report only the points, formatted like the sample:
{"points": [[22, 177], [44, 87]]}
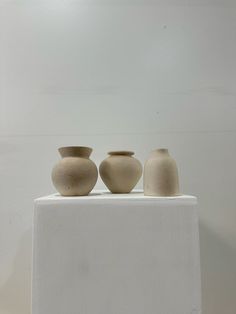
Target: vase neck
{"points": [[160, 151], [121, 153], [75, 151]]}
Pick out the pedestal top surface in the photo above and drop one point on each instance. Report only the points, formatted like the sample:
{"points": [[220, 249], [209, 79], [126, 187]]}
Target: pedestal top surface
{"points": [[105, 196]]}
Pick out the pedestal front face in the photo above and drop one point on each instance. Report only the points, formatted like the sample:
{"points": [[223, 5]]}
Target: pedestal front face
{"points": [[116, 254]]}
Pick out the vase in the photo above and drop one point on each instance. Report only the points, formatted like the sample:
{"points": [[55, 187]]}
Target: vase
{"points": [[120, 171], [161, 174], [75, 174]]}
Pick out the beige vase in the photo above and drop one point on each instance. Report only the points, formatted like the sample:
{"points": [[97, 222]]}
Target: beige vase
{"points": [[75, 174], [161, 174], [120, 171]]}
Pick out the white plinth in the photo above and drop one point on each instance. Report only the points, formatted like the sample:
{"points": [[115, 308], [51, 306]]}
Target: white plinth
{"points": [[116, 254]]}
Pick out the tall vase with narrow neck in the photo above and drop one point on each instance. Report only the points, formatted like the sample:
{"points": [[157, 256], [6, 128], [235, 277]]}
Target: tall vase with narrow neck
{"points": [[75, 174], [120, 171], [161, 174]]}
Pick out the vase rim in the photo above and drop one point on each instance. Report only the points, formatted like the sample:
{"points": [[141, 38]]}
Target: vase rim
{"points": [[161, 150], [121, 152], [75, 151]]}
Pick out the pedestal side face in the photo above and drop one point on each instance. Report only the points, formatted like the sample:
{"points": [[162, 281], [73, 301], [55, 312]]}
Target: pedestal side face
{"points": [[116, 258]]}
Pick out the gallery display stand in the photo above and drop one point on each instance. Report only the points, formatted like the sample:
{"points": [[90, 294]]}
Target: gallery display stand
{"points": [[116, 254]]}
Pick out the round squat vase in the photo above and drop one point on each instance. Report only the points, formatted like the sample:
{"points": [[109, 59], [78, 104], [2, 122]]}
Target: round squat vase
{"points": [[120, 171], [75, 174], [161, 174]]}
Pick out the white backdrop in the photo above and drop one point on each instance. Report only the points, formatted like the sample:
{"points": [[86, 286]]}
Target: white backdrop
{"points": [[121, 74]]}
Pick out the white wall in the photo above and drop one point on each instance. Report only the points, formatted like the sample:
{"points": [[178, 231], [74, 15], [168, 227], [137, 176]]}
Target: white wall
{"points": [[121, 74]]}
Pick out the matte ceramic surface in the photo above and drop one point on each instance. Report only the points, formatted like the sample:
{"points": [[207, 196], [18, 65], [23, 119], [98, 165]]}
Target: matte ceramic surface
{"points": [[161, 174], [120, 171], [75, 174]]}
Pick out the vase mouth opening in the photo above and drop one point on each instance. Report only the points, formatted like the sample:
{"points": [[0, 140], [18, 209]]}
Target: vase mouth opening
{"points": [[121, 153], [161, 150], [75, 151]]}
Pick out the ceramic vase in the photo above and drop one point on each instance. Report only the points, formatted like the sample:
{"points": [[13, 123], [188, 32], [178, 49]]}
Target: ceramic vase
{"points": [[75, 174], [120, 171], [161, 174]]}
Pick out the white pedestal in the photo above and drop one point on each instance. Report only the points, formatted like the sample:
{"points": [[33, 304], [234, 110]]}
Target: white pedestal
{"points": [[116, 254]]}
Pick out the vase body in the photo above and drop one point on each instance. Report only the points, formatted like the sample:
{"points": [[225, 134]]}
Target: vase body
{"points": [[120, 171], [161, 175], [75, 174]]}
